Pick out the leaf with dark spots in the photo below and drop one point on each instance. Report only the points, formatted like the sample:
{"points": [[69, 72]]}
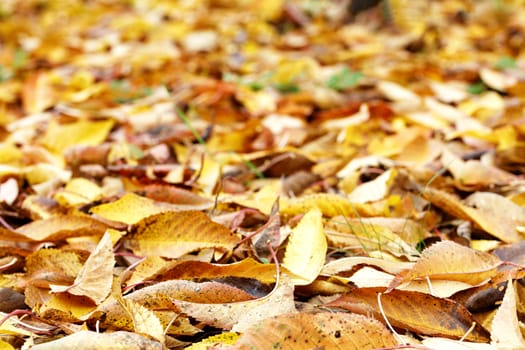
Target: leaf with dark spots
{"points": [[418, 312]]}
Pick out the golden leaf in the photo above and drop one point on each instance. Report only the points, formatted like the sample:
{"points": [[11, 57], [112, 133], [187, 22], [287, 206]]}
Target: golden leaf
{"points": [[173, 234]]}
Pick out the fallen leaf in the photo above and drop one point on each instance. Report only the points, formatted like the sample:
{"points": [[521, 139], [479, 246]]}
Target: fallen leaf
{"points": [[96, 276], [131, 208], [93, 341], [240, 315], [59, 137], [321, 330], [329, 204], [62, 227], [246, 268], [306, 249], [144, 320], [160, 296], [450, 261], [173, 234], [373, 190], [415, 311], [504, 230], [505, 332]]}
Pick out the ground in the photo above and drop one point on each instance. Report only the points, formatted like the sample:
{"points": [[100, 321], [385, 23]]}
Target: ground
{"points": [[286, 174]]}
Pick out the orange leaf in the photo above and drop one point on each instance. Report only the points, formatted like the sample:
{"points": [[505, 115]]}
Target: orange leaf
{"points": [[247, 268], [173, 234]]}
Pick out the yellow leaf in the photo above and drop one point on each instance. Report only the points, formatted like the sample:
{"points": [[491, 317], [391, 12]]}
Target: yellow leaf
{"points": [[78, 191], [246, 268], [59, 137], [53, 266], [262, 200], [173, 234], [66, 307], [306, 249], [329, 204], [5, 345], [131, 208], [37, 93], [209, 174], [365, 235]]}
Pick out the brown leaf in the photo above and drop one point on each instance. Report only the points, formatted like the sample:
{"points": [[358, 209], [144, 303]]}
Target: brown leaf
{"points": [[173, 234], [415, 311], [175, 195], [316, 331]]}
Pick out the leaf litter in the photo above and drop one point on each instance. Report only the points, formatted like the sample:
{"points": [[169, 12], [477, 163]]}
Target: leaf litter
{"points": [[278, 174]]}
